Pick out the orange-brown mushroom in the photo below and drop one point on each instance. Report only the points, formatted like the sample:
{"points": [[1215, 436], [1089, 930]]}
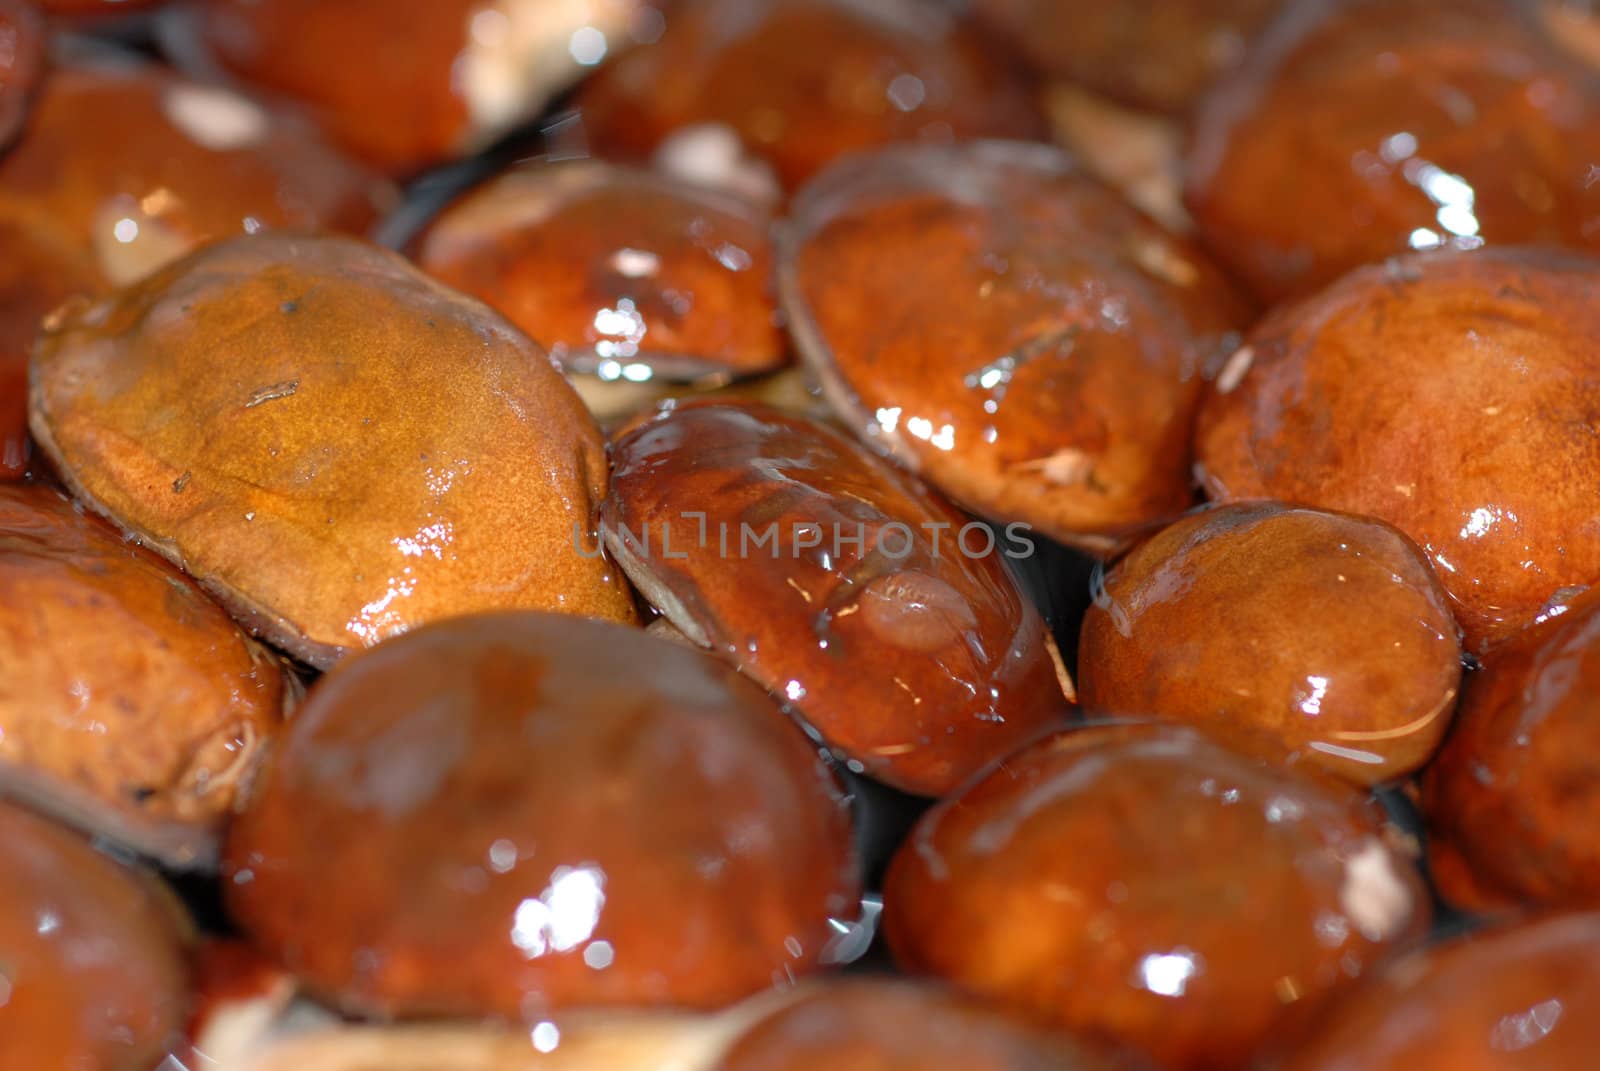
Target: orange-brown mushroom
{"points": [[1516, 997], [1311, 636], [1365, 129], [1010, 328], [129, 702], [1512, 810], [336, 446], [884, 617], [92, 972], [795, 84], [125, 166], [530, 813], [620, 273], [408, 83], [1140, 885]]}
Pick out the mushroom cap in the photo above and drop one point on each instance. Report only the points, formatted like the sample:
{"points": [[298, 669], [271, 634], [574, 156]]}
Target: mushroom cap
{"points": [[527, 813], [334, 445]]}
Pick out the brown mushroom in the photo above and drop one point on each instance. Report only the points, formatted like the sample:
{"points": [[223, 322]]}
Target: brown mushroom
{"points": [[1009, 327], [622, 274], [1317, 637], [125, 166], [129, 702], [530, 812], [22, 36], [1366, 129], [336, 446], [1513, 812], [896, 1025], [1141, 885], [92, 975], [1519, 996], [1448, 394], [407, 83], [881, 615], [799, 83], [1155, 54]]}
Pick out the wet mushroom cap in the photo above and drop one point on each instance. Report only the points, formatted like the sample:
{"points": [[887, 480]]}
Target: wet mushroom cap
{"points": [[1141, 885], [91, 956], [1312, 636], [1012, 329], [531, 812], [1516, 996], [125, 166], [334, 445], [1512, 811], [616, 271], [799, 83], [884, 617], [127, 697], [898, 1025], [460, 72], [1447, 394], [1363, 130]]}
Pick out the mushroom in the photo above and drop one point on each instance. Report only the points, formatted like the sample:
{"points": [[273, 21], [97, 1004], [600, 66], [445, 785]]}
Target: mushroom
{"points": [[461, 73], [129, 703], [1139, 884], [1359, 131], [630, 279], [92, 971], [1310, 636], [532, 814], [860, 599], [335, 446], [795, 84], [1011, 329], [125, 166], [1510, 803], [1517, 995]]}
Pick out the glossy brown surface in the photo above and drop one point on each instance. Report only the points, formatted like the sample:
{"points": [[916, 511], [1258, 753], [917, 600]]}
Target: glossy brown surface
{"points": [[531, 812], [406, 83], [1142, 885], [91, 966], [1511, 802], [125, 693], [1364, 129], [890, 1025], [1521, 998], [803, 82], [618, 272], [1158, 54], [1012, 329], [35, 277], [839, 583], [375, 452], [1450, 395], [22, 60], [125, 166], [1317, 636]]}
